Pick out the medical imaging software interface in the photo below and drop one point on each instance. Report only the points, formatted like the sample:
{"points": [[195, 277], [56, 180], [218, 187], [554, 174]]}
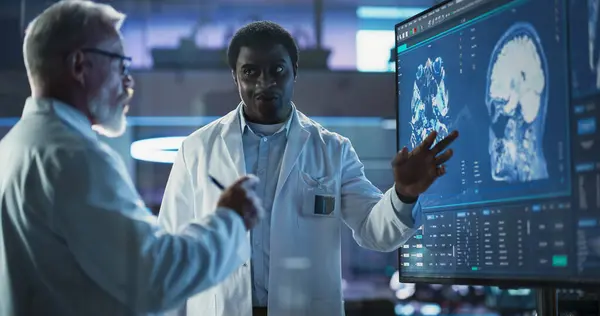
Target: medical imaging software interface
{"points": [[520, 81]]}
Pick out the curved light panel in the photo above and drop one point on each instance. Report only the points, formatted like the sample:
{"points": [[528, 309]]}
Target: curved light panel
{"points": [[161, 150], [164, 149]]}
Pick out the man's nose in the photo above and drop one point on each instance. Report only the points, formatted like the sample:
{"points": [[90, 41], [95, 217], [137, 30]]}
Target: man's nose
{"points": [[265, 80], [128, 82]]}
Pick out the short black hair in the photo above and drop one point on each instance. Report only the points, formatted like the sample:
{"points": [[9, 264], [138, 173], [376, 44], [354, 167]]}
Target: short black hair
{"points": [[261, 33]]}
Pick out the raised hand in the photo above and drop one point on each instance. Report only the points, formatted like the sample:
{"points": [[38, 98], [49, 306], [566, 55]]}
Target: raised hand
{"points": [[415, 171]]}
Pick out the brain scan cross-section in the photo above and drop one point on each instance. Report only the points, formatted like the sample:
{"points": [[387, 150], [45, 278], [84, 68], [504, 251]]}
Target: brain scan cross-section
{"points": [[429, 104], [516, 100]]}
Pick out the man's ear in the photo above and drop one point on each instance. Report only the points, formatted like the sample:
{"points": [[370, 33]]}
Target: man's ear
{"points": [[76, 64], [234, 76], [295, 71]]}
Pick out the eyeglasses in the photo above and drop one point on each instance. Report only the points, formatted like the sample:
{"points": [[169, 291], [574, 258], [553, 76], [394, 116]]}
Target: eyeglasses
{"points": [[125, 60]]}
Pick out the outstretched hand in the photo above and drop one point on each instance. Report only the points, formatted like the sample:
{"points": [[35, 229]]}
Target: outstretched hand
{"points": [[415, 171]]}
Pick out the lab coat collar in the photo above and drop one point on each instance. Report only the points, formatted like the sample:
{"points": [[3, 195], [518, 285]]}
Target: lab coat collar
{"points": [[286, 126], [66, 113], [297, 132], [296, 118]]}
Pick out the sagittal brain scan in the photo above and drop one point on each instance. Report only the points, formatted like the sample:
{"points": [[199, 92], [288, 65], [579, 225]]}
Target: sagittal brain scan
{"points": [[516, 101], [429, 104], [499, 82]]}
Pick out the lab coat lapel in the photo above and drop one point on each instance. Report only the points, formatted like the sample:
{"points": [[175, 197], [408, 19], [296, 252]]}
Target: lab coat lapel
{"points": [[232, 136], [297, 138]]}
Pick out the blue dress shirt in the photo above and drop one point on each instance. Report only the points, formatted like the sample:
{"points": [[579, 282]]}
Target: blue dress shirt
{"points": [[264, 146]]}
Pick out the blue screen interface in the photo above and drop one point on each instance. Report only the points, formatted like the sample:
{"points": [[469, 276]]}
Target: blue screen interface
{"points": [[520, 81]]}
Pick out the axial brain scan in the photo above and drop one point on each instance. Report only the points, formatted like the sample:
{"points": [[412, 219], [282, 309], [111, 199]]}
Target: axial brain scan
{"points": [[516, 100], [429, 104]]}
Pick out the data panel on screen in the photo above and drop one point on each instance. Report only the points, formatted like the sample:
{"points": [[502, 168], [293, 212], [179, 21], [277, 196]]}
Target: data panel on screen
{"points": [[584, 31], [501, 79], [519, 80]]}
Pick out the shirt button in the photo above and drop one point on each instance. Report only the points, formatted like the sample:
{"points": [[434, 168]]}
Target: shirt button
{"points": [[264, 139]]}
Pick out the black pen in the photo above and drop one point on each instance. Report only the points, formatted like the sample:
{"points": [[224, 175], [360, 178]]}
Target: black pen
{"points": [[217, 183]]}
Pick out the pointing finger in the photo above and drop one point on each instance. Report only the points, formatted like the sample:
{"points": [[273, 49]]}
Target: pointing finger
{"points": [[443, 158], [428, 141], [444, 143], [401, 157]]}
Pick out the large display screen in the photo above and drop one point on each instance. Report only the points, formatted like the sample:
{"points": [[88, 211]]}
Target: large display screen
{"points": [[520, 81]]}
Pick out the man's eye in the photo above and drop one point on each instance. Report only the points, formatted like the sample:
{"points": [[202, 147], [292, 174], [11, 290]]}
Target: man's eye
{"points": [[249, 72], [279, 69]]}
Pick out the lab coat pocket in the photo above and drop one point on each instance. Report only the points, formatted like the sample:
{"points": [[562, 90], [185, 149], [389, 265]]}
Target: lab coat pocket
{"points": [[319, 197]]}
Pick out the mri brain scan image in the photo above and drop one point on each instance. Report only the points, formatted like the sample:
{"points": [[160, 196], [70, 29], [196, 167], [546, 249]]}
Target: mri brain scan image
{"points": [[516, 100], [429, 104]]}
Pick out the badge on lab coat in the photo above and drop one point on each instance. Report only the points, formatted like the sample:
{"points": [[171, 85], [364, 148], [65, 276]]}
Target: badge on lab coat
{"points": [[318, 202]]}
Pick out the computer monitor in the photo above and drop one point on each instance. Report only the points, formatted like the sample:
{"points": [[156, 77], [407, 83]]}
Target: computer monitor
{"points": [[520, 81]]}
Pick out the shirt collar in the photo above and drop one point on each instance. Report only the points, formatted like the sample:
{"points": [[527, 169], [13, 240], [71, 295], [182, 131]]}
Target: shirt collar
{"points": [[287, 125], [66, 113]]}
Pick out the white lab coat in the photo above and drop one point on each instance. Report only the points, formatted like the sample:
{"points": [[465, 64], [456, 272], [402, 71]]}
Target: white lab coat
{"points": [[305, 249], [75, 237]]}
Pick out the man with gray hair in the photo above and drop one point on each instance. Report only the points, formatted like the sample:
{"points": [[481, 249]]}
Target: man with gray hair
{"points": [[75, 237]]}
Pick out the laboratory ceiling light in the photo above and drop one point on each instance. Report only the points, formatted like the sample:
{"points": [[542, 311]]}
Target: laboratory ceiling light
{"points": [[161, 150]]}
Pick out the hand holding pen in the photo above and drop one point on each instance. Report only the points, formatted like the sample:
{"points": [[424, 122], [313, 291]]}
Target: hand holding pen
{"points": [[241, 198]]}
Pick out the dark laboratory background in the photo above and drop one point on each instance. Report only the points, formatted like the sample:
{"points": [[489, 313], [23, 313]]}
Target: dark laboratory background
{"points": [[346, 83]]}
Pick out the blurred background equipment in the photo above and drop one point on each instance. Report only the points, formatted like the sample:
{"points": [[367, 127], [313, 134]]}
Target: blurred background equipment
{"points": [[316, 57], [578, 303], [189, 55]]}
